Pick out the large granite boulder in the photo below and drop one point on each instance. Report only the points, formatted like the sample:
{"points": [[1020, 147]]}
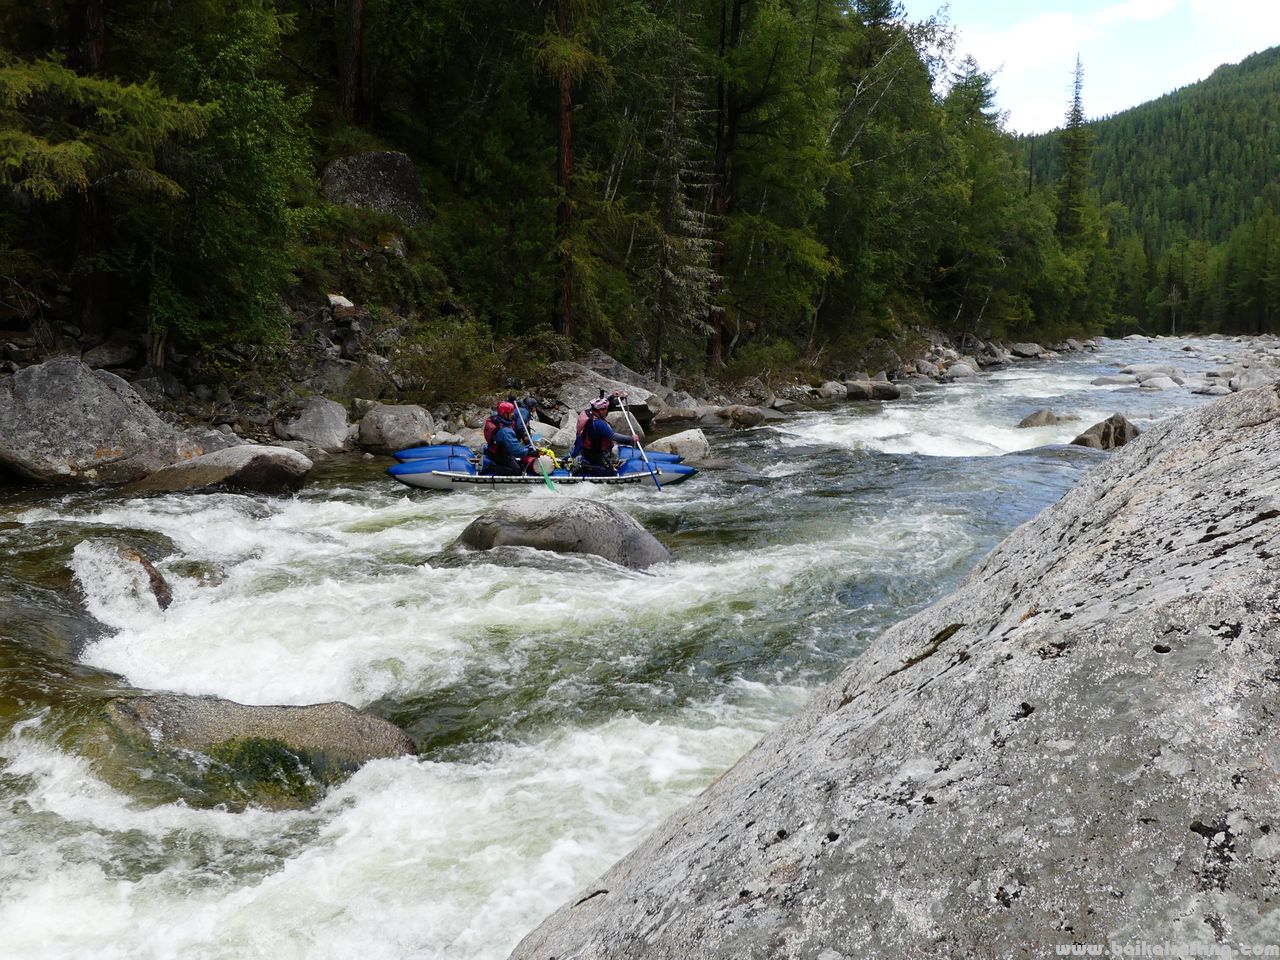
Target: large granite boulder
{"points": [[384, 180], [572, 386], [1115, 431], [1077, 746], [316, 421], [567, 525], [387, 428], [249, 468], [690, 444], [64, 423]]}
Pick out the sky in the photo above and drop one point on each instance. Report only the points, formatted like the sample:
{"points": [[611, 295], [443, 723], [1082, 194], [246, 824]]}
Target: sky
{"points": [[1132, 50]]}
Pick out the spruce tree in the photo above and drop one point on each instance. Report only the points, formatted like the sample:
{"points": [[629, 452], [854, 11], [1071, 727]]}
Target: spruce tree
{"points": [[1073, 184]]}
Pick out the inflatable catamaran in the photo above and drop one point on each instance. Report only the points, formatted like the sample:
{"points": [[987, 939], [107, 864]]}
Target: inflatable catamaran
{"points": [[454, 467]]}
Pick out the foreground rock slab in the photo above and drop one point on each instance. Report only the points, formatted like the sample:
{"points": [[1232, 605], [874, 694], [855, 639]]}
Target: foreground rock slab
{"points": [[249, 468], [63, 423], [1077, 746], [567, 525]]}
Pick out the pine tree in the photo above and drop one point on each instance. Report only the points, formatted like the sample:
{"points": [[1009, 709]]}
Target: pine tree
{"points": [[1073, 184]]}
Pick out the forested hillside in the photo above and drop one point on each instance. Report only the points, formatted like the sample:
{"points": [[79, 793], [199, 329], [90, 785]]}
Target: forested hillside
{"points": [[1192, 187], [697, 184]]}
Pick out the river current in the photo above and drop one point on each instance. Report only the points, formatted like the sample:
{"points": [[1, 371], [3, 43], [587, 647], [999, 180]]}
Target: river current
{"points": [[563, 706]]}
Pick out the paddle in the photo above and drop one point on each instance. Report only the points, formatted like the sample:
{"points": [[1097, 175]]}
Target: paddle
{"points": [[528, 435], [635, 432]]}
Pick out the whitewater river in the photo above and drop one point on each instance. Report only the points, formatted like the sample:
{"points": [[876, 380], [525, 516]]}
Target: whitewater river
{"points": [[562, 706]]}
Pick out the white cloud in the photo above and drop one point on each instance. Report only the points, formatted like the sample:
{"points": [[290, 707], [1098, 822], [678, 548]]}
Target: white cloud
{"points": [[1133, 50]]}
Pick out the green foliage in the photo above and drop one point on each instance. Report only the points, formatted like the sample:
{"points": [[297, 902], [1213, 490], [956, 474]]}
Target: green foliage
{"points": [[61, 132], [809, 179]]}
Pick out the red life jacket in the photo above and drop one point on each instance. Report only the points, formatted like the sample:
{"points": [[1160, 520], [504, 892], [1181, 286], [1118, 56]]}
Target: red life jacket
{"points": [[596, 448], [491, 426]]}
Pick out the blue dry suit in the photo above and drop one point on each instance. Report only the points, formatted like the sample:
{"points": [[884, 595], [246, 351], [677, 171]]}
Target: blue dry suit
{"points": [[595, 443], [507, 455]]}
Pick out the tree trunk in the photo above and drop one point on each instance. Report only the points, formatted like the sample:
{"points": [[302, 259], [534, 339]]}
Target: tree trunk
{"points": [[564, 179], [727, 114], [351, 69], [87, 31]]}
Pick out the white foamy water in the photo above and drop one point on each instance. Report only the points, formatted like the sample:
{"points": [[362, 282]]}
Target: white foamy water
{"points": [[574, 703], [406, 859]]}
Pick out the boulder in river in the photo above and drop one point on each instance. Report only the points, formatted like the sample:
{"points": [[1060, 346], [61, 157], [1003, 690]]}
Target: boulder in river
{"points": [[1114, 380], [691, 444], [390, 427], [279, 756], [319, 422], [1077, 746], [1044, 417], [832, 390], [250, 468], [63, 423], [1158, 383], [567, 525], [1026, 351], [1115, 431]]}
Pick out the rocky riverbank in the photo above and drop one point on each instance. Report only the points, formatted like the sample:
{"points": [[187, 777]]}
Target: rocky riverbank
{"points": [[1075, 747], [65, 422]]}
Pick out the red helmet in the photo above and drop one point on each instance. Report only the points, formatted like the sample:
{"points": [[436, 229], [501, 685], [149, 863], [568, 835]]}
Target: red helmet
{"points": [[506, 409]]}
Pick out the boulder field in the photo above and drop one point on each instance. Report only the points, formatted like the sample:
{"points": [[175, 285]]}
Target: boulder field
{"points": [[1077, 746]]}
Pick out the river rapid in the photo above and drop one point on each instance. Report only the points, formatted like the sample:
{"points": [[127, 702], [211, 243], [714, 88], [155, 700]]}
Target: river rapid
{"points": [[563, 706]]}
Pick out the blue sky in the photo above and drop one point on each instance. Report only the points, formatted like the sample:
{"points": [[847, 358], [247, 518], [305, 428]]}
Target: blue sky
{"points": [[1133, 50]]}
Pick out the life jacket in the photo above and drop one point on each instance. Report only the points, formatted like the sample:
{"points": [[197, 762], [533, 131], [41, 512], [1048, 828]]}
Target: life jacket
{"points": [[596, 448], [491, 427]]}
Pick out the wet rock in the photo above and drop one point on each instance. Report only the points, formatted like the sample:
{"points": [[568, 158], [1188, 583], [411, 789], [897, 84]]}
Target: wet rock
{"points": [[319, 422], [691, 444], [1044, 417], [1145, 371], [566, 525], [742, 416], [384, 181], [156, 583], [387, 428], [63, 423], [1158, 383], [1026, 351], [1108, 673], [1115, 431], [1114, 380], [249, 468], [276, 756], [860, 390]]}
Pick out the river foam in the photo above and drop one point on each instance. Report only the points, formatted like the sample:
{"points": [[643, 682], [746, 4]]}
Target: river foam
{"points": [[565, 705]]}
